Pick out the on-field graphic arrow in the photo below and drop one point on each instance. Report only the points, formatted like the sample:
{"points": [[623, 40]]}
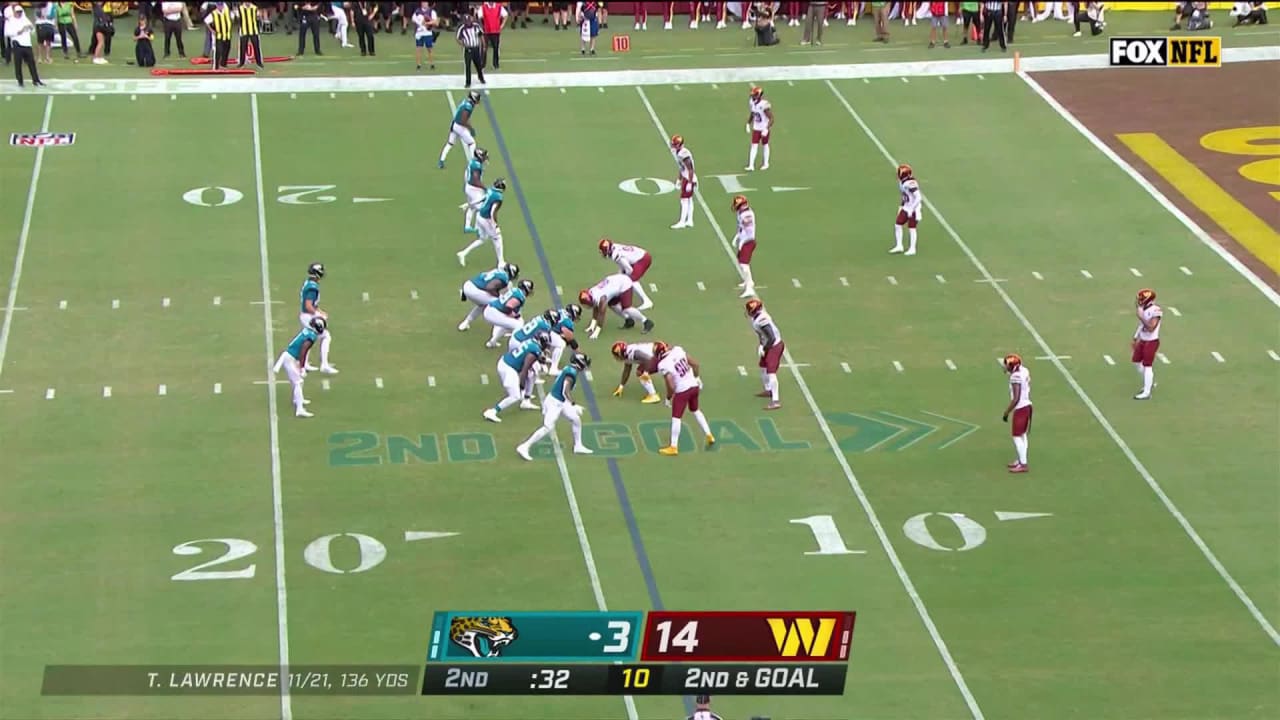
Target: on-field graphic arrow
{"points": [[884, 430], [966, 428]]}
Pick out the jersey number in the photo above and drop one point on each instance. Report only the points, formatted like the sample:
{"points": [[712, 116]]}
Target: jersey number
{"points": [[682, 367]]}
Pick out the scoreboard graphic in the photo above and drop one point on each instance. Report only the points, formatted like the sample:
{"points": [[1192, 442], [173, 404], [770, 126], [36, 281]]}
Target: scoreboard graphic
{"points": [[634, 653]]}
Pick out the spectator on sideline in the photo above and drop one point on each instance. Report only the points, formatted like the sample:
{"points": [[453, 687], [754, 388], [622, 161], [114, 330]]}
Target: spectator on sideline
{"points": [[45, 23], [1092, 15], [493, 16], [1011, 19], [104, 28], [1195, 13], [938, 20], [471, 40], [309, 13], [586, 14], [143, 52], [970, 13], [66, 17], [6, 17], [17, 37], [250, 33], [560, 13], [220, 24], [341, 17], [880, 12], [766, 32], [1250, 13], [362, 14], [425, 21], [993, 19], [172, 12], [814, 21]]}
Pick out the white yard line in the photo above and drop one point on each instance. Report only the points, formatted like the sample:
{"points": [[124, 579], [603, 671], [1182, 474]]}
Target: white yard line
{"points": [[273, 416], [1075, 385], [1159, 197], [23, 235], [856, 486]]}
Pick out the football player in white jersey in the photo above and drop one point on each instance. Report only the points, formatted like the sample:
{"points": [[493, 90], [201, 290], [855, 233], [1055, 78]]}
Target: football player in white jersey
{"points": [[1146, 340], [686, 181], [1019, 407], [759, 126], [684, 384], [770, 351], [614, 292], [644, 356], [744, 243], [908, 210], [632, 261]]}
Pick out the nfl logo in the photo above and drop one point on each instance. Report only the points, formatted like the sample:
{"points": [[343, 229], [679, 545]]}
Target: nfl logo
{"points": [[41, 139]]}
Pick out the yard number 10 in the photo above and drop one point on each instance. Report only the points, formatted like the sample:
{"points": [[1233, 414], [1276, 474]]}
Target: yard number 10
{"points": [[686, 638]]}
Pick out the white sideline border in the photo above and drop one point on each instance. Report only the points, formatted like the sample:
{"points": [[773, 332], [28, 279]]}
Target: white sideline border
{"points": [[591, 79]]}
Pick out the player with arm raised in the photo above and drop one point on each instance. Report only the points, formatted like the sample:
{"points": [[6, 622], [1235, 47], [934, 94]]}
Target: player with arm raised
{"points": [[1146, 340], [770, 351], [613, 292], [503, 312], [558, 404], [682, 374], [759, 126], [632, 261], [744, 243], [310, 296], [644, 357], [487, 224], [474, 191], [908, 210], [484, 288], [460, 128], [515, 372], [686, 181], [1020, 407]]}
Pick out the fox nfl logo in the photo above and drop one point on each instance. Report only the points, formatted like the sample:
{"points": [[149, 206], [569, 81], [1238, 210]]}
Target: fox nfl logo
{"points": [[1166, 51], [41, 139]]}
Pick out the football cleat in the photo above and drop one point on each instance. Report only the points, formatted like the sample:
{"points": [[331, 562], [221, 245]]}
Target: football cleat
{"points": [[739, 202], [316, 271], [528, 404], [1019, 468], [606, 247], [573, 310], [677, 141], [492, 415], [668, 451], [481, 154], [648, 327], [583, 450], [319, 324], [512, 270], [773, 406], [619, 350], [526, 286], [523, 452], [628, 324], [500, 184], [711, 439], [754, 307], [1012, 362], [651, 399], [1146, 296], [757, 93], [580, 361], [302, 413], [474, 96], [904, 171]]}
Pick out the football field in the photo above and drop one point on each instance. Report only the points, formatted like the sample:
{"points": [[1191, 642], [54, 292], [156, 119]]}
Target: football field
{"points": [[161, 504]]}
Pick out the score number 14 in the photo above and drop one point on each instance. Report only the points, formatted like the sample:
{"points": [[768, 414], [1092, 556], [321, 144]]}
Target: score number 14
{"points": [[686, 638]]}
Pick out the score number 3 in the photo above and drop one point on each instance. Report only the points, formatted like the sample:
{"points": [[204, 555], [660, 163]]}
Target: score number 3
{"points": [[685, 639]]}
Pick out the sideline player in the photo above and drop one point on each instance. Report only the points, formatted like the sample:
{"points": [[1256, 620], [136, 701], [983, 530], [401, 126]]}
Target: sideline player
{"points": [[515, 372], [461, 128], [633, 261], [294, 362], [1146, 340], [644, 357], [613, 292], [682, 375], [487, 224], [770, 351], [686, 180], [557, 404], [473, 190], [310, 296], [503, 312], [1020, 407], [759, 126], [484, 288], [908, 211], [744, 243]]}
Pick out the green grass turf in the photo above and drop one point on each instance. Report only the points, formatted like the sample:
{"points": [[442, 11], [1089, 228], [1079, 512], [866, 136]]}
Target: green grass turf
{"points": [[1103, 610], [540, 49]]}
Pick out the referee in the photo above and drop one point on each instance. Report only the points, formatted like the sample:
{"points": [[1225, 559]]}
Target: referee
{"points": [[471, 39], [994, 20], [220, 24], [249, 36], [702, 709]]}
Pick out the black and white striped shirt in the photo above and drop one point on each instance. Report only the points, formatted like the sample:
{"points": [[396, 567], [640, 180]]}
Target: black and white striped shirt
{"points": [[993, 6], [469, 35]]}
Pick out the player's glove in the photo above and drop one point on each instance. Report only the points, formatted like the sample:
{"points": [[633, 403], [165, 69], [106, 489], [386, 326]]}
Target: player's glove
{"points": [[617, 392], [748, 128], [1004, 418], [699, 383], [760, 350], [764, 133], [593, 332]]}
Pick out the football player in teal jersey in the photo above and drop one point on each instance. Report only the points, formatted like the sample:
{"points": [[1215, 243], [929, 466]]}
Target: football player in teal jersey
{"points": [[487, 223], [482, 289], [310, 301], [557, 404], [460, 128], [473, 189], [294, 362], [503, 312], [515, 372]]}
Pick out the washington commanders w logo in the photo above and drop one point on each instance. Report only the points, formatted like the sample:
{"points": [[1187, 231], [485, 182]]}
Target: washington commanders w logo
{"points": [[800, 636]]}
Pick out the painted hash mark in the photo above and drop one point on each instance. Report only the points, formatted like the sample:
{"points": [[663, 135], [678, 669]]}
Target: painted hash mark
{"points": [[1108, 360], [897, 366]]}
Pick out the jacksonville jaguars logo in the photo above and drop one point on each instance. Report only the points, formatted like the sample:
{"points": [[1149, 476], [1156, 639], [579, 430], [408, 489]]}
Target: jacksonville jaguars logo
{"points": [[482, 636]]}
